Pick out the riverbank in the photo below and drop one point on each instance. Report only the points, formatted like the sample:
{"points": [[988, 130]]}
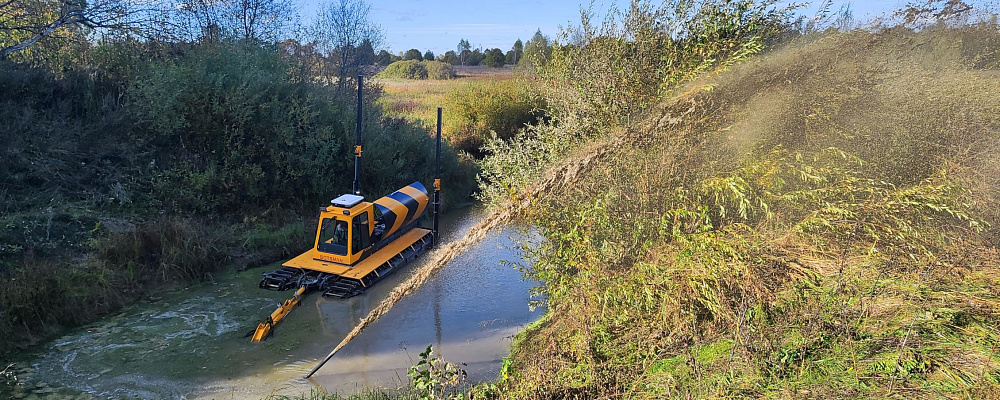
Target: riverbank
{"points": [[189, 343], [111, 190], [821, 223], [122, 262]]}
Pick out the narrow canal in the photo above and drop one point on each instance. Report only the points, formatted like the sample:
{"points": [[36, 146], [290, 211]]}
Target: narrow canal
{"points": [[190, 344]]}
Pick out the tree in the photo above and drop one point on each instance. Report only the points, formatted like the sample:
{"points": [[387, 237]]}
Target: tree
{"points": [[24, 23], [449, 57], [384, 58], [413, 54], [514, 55], [341, 28], [537, 51], [475, 57], [308, 61], [260, 20], [463, 48], [365, 54], [429, 56], [494, 58]]}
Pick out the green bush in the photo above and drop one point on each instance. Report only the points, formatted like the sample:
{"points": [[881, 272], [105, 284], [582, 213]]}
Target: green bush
{"points": [[409, 69], [619, 68], [238, 131], [413, 69], [439, 70], [233, 129], [61, 136], [480, 110], [630, 61]]}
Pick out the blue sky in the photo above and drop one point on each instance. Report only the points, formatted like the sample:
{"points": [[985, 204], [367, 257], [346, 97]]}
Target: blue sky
{"points": [[438, 25]]}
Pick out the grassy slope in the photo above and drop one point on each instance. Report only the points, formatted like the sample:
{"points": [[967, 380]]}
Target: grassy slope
{"points": [[823, 222]]}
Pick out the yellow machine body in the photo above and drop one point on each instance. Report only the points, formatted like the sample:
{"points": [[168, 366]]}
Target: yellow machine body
{"points": [[354, 239], [316, 261], [357, 242]]}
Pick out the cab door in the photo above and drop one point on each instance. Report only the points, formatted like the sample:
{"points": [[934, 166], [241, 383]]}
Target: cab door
{"points": [[361, 232]]}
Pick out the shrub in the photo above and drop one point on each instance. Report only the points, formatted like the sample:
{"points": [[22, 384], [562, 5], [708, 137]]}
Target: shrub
{"points": [[439, 70], [601, 76], [633, 59], [408, 69], [413, 69], [231, 128], [480, 110]]}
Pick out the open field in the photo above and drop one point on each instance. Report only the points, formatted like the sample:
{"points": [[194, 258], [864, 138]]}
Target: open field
{"points": [[419, 99]]}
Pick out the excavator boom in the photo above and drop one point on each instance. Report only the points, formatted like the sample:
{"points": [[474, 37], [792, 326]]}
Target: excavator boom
{"points": [[264, 328]]}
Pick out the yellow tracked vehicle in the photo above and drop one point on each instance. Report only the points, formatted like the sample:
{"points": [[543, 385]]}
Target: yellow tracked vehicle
{"points": [[357, 242]]}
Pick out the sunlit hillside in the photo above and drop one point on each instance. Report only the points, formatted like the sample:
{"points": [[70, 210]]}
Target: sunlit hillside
{"points": [[819, 222]]}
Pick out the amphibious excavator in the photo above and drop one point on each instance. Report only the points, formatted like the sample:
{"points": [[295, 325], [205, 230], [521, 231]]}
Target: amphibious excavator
{"points": [[357, 242]]}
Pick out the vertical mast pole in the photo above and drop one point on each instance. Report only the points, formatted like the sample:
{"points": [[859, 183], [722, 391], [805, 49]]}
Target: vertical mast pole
{"points": [[357, 140], [437, 177]]}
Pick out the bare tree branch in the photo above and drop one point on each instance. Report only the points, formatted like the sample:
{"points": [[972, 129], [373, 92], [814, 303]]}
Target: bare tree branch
{"points": [[343, 27], [69, 18], [24, 23]]}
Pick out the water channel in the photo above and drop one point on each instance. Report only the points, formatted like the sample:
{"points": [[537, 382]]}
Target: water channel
{"points": [[190, 344]]}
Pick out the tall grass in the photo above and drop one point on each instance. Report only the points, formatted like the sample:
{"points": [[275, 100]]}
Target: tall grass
{"points": [[476, 108], [821, 223]]}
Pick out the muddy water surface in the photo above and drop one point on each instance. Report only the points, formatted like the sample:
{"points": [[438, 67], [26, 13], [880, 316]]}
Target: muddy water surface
{"points": [[190, 344]]}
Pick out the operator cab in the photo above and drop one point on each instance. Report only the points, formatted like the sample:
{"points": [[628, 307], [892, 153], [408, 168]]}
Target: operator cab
{"points": [[345, 230]]}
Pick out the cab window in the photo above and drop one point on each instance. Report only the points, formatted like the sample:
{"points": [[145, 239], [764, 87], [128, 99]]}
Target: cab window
{"points": [[333, 237]]}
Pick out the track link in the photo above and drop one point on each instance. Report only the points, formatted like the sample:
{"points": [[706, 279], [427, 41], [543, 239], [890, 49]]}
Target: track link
{"points": [[282, 279], [331, 285]]}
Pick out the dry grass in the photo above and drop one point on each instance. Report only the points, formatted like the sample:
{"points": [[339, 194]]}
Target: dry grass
{"points": [[484, 104], [419, 99]]}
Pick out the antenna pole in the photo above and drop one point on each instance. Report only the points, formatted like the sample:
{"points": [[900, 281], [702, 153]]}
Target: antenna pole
{"points": [[437, 178], [357, 140]]}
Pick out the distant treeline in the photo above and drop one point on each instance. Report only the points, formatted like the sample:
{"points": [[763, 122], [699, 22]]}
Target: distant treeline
{"points": [[535, 49]]}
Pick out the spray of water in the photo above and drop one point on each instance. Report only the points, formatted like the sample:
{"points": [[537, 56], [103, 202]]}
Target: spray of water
{"points": [[566, 173]]}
